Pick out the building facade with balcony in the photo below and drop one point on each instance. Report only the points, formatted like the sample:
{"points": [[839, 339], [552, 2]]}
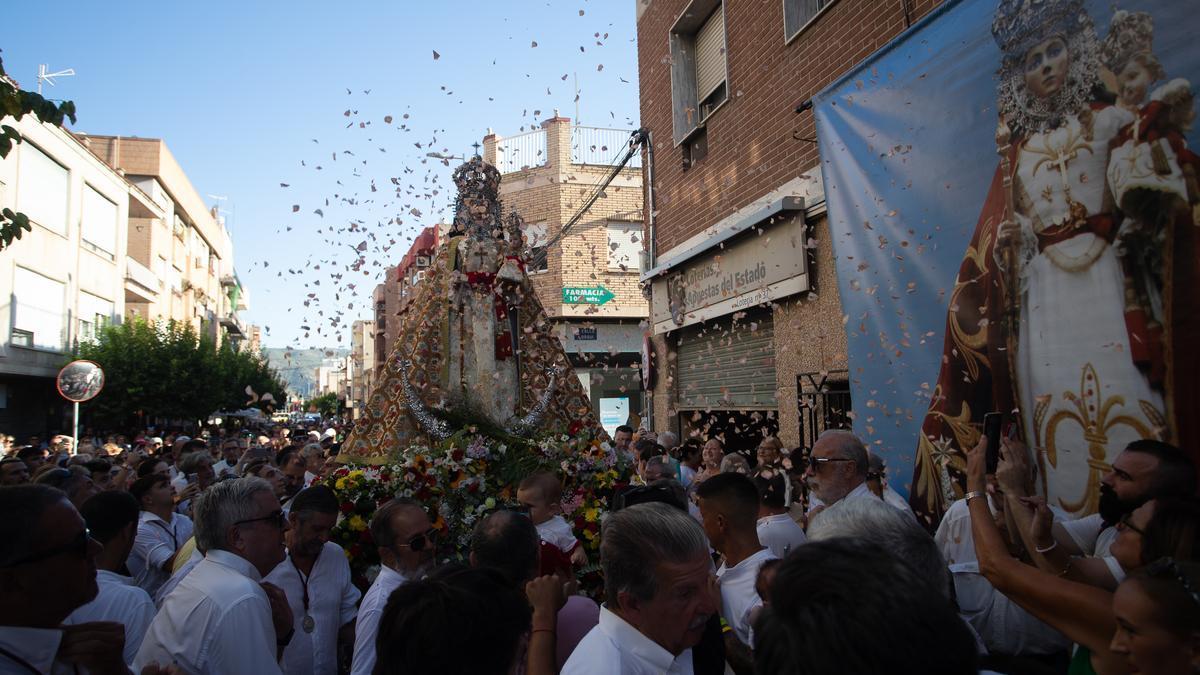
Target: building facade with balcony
{"points": [[587, 277], [362, 361], [69, 276], [748, 327], [188, 249]]}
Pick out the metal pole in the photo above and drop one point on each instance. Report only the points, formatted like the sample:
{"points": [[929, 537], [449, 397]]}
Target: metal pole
{"points": [[75, 431]]}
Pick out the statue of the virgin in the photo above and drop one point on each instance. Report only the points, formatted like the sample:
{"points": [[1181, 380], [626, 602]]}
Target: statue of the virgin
{"points": [[474, 346]]}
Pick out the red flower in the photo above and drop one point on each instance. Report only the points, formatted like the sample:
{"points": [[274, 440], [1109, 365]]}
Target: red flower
{"points": [[456, 455], [365, 537], [574, 428], [347, 507], [473, 487]]}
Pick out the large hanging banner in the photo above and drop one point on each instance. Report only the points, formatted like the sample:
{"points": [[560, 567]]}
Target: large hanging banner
{"points": [[1014, 209]]}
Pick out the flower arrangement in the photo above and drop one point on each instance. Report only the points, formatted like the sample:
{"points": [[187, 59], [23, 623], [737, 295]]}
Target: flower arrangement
{"points": [[468, 476]]}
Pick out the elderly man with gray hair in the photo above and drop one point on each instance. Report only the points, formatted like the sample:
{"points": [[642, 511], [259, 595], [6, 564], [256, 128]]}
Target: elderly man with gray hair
{"points": [[221, 618], [837, 470], [659, 593]]}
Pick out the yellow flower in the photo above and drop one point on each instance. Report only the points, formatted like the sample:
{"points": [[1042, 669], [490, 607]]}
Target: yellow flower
{"points": [[591, 514], [357, 473], [357, 523], [340, 484]]}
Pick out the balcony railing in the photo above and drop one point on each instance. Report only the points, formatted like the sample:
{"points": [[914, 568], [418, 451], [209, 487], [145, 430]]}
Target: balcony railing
{"points": [[523, 151], [142, 276], [597, 145]]}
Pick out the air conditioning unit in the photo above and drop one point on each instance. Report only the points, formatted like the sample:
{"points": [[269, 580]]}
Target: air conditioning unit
{"points": [[422, 261]]}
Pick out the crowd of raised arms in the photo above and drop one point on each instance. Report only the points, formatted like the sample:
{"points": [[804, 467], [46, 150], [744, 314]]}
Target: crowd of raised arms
{"points": [[213, 555]]}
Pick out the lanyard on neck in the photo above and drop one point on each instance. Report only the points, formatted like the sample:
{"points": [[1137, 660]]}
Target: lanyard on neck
{"points": [[305, 579]]}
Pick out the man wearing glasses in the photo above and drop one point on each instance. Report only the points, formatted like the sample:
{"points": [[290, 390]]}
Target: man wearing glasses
{"points": [[406, 541], [221, 618], [46, 539], [837, 470]]}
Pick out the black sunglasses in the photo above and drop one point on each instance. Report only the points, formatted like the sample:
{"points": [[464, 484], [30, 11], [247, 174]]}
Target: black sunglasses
{"points": [[276, 518], [1168, 567], [78, 546], [417, 543]]}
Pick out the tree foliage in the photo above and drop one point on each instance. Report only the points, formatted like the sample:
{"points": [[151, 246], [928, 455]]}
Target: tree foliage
{"points": [[166, 370], [16, 103], [327, 404]]}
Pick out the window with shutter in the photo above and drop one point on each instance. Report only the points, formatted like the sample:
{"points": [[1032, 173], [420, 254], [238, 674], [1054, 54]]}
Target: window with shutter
{"points": [[698, 66], [798, 13], [710, 55]]}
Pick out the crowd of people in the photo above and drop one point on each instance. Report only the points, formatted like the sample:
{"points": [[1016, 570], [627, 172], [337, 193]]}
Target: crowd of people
{"points": [[213, 555]]}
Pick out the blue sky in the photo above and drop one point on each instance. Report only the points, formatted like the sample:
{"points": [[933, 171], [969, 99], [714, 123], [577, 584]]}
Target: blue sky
{"points": [[249, 95]]}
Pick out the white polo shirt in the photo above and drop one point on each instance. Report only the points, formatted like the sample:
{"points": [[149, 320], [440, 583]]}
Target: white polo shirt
{"points": [[369, 613], [614, 647], [738, 596], [332, 603], [217, 621], [121, 601], [156, 541]]}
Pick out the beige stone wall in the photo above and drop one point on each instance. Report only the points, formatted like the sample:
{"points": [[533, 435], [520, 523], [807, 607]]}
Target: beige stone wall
{"points": [[809, 335]]}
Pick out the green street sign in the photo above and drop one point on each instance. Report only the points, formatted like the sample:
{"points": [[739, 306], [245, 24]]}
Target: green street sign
{"points": [[586, 295]]}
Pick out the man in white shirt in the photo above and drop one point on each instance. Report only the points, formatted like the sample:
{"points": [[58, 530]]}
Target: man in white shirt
{"points": [[1146, 469], [220, 618], [659, 594], [837, 469], [877, 483], [231, 452], [776, 528], [161, 532], [47, 570], [315, 576], [112, 520], [406, 541], [729, 506], [622, 443]]}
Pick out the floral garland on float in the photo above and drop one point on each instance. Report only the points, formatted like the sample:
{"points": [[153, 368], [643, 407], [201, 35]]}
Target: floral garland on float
{"points": [[469, 475]]}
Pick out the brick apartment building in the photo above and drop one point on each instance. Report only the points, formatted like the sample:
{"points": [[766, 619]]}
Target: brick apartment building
{"points": [[390, 299], [747, 321], [587, 280]]}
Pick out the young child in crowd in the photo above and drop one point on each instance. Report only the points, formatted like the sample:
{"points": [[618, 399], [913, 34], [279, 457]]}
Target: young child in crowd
{"points": [[540, 493]]}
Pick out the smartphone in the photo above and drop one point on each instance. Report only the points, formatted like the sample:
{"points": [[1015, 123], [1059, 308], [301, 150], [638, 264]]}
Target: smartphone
{"points": [[992, 423]]}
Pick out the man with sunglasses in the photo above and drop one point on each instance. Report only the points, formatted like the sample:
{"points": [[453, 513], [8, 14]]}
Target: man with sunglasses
{"points": [[407, 544], [837, 470], [46, 539], [222, 618]]}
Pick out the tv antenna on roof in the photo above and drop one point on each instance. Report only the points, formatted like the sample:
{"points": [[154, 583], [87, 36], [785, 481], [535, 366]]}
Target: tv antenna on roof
{"points": [[48, 78]]}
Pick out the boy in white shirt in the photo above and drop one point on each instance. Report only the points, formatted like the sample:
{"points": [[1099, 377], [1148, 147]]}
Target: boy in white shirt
{"points": [[540, 494]]}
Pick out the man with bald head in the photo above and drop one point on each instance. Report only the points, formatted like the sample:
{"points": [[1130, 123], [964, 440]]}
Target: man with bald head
{"points": [[837, 469], [407, 543]]}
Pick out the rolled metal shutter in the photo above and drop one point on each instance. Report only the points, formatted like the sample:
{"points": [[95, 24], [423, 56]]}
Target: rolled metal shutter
{"points": [[726, 366], [710, 54]]}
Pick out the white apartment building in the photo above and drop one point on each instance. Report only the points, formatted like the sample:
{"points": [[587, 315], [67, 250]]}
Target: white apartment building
{"points": [[104, 246]]}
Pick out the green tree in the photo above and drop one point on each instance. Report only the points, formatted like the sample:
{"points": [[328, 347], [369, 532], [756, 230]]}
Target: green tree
{"points": [[167, 370], [326, 404], [16, 103]]}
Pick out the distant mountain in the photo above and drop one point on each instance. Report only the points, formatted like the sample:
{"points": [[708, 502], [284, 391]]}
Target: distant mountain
{"points": [[296, 366]]}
